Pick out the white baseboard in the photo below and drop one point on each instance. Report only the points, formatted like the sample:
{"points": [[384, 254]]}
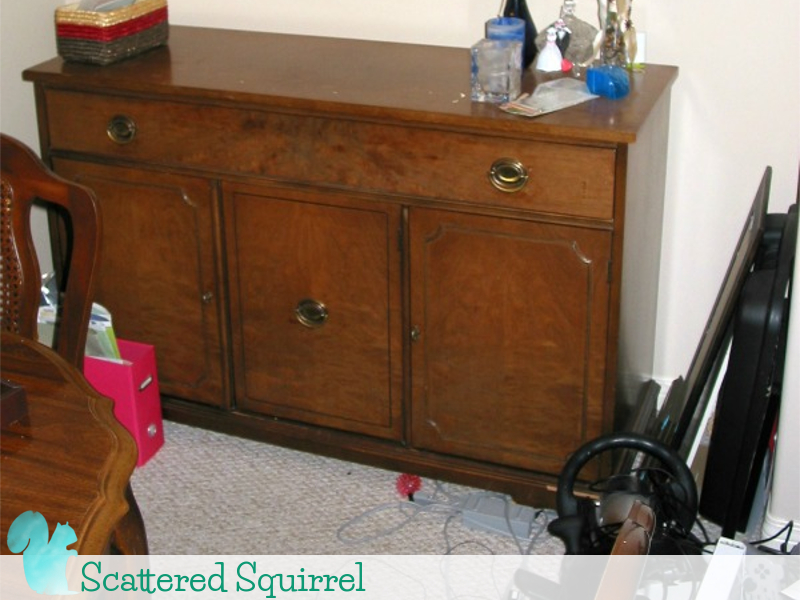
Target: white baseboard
{"points": [[773, 524]]}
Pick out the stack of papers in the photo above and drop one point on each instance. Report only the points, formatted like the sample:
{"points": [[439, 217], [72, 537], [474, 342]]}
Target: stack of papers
{"points": [[101, 341], [549, 97], [103, 5]]}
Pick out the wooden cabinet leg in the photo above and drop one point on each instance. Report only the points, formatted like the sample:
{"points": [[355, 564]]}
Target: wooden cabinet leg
{"points": [[130, 536]]}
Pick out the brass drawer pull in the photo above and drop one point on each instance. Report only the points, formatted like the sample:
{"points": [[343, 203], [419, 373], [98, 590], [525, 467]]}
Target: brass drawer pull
{"points": [[508, 175], [311, 313], [121, 129]]}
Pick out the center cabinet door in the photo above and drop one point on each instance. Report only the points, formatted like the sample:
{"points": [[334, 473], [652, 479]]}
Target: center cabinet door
{"points": [[510, 322], [316, 307]]}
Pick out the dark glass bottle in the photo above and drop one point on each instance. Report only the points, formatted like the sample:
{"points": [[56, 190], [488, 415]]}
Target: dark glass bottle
{"points": [[519, 9]]}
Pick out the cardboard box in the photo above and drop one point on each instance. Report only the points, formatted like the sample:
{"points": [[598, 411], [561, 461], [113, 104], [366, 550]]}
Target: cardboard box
{"points": [[132, 384]]}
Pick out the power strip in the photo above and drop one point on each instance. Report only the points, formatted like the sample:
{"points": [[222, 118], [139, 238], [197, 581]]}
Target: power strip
{"points": [[486, 511], [722, 572], [495, 514], [423, 499]]}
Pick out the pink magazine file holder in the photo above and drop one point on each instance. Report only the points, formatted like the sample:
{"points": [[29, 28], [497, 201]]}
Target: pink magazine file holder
{"points": [[133, 386]]}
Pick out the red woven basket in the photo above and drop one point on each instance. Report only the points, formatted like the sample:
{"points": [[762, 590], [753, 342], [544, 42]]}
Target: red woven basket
{"points": [[107, 37]]}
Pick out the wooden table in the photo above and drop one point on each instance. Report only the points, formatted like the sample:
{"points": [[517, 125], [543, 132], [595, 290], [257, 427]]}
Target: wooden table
{"points": [[68, 458]]}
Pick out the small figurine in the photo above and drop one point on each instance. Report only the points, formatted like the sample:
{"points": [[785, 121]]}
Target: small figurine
{"points": [[574, 37], [563, 35], [550, 58]]}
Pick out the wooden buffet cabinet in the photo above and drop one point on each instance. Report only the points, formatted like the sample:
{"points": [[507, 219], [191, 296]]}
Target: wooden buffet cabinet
{"points": [[332, 248]]}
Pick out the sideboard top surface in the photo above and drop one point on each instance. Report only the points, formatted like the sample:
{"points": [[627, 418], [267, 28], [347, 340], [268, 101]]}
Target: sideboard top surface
{"points": [[428, 85]]}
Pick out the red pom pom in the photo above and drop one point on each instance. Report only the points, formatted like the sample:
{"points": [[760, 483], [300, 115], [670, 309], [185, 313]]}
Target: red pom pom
{"points": [[407, 485]]}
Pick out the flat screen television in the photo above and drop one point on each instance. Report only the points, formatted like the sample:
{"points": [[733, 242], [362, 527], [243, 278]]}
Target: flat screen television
{"points": [[678, 421]]}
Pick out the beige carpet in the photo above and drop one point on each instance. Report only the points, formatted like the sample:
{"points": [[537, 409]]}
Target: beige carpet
{"points": [[209, 493]]}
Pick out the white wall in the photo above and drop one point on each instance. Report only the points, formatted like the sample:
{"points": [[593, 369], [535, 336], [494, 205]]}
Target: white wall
{"points": [[26, 37], [735, 109]]}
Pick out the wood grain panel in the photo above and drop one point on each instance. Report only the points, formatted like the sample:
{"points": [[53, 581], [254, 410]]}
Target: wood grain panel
{"points": [[510, 365], [68, 457], [346, 373], [563, 179], [158, 272]]}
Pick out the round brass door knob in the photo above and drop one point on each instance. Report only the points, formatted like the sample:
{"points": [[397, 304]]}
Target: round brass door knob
{"points": [[311, 313], [121, 129]]}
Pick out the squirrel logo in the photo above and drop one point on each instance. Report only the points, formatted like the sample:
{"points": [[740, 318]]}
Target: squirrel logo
{"points": [[45, 561]]}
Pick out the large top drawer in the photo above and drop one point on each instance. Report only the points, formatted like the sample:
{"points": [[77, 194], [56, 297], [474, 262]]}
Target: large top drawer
{"points": [[371, 155]]}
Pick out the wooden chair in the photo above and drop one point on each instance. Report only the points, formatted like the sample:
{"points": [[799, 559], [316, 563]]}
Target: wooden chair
{"points": [[27, 181], [24, 181]]}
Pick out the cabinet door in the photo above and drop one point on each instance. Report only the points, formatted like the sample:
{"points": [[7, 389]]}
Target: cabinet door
{"points": [[158, 272], [510, 323], [315, 299]]}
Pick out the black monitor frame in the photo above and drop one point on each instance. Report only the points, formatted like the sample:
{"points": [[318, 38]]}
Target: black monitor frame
{"points": [[750, 316], [678, 421]]}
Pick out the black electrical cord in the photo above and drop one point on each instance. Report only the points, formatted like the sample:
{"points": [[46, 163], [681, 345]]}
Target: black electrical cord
{"points": [[784, 547]]}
